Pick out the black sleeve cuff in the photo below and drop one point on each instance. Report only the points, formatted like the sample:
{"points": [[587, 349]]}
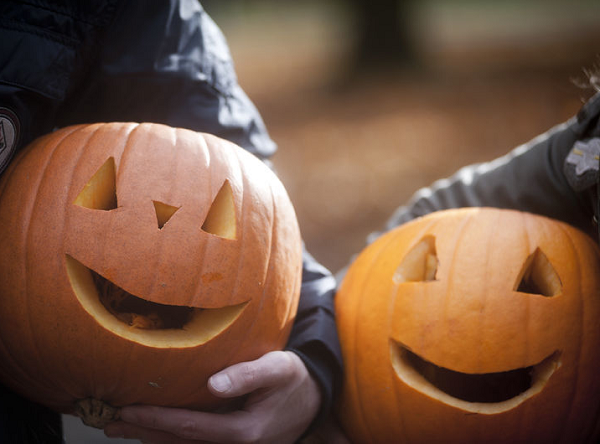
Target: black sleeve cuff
{"points": [[314, 335]]}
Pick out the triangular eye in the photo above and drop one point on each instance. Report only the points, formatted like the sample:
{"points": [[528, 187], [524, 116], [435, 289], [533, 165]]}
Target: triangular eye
{"points": [[100, 193], [221, 220], [420, 263], [538, 276], [164, 212]]}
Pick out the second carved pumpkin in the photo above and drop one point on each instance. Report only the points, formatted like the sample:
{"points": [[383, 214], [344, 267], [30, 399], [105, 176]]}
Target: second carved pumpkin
{"points": [[472, 325]]}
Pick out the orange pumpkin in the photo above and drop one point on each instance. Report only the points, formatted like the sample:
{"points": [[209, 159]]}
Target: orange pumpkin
{"points": [[472, 325], [137, 260]]}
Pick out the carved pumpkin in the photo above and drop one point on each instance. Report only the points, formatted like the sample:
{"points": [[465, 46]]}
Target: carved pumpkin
{"points": [[137, 260], [472, 325]]}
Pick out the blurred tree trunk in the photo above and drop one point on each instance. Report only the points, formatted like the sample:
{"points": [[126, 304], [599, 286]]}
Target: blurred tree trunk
{"points": [[384, 32]]}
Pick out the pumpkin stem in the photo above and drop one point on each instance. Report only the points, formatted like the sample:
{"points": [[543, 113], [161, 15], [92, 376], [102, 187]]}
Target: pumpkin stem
{"points": [[96, 413]]}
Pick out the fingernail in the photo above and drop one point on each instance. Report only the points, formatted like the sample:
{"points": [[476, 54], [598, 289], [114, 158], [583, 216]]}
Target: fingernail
{"points": [[220, 382]]}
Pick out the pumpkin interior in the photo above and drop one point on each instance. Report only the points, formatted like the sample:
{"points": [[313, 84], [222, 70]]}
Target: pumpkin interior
{"points": [[420, 263], [220, 219], [196, 326], [539, 276], [100, 191], [487, 393], [138, 312]]}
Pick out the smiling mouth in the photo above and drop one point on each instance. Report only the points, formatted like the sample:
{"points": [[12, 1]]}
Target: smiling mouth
{"points": [[486, 393], [143, 321]]}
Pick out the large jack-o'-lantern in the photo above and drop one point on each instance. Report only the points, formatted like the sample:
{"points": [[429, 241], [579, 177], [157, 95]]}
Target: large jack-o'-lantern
{"points": [[472, 325], [136, 261]]}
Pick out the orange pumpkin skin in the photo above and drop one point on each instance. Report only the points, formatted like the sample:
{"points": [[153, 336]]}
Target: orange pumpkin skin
{"points": [[58, 346], [473, 317]]}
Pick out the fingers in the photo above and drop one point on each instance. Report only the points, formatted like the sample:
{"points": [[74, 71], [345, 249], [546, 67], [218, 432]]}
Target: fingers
{"points": [[169, 426], [272, 369], [144, 435], [282, 400]]}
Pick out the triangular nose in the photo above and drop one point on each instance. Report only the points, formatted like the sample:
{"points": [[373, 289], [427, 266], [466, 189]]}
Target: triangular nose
{"points": [[164, 212]]}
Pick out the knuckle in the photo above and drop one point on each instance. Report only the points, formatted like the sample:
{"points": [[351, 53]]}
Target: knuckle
{"points": [[290, 365], [247, 373]]}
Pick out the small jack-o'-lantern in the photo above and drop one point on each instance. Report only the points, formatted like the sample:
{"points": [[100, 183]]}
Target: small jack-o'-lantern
{"points": [[137, 260], [472, 325]]}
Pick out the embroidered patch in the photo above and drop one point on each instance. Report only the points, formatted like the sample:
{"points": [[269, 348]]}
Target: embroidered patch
{"points": [[9, 136], [582, 164]]}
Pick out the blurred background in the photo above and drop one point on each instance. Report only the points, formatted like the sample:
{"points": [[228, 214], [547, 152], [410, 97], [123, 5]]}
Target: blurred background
{"points": [[369, 100]]}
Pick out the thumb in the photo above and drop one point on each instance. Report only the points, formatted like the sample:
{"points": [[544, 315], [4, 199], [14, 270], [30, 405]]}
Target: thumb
{"points": [[270, 370]]}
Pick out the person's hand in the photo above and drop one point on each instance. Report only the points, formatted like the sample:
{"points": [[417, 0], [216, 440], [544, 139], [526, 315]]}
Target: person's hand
{"points": [[282, 401]]}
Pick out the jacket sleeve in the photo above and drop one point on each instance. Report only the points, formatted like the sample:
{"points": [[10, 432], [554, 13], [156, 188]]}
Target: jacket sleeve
{"points": [[314, 335], [167, 62], [529, 178]]}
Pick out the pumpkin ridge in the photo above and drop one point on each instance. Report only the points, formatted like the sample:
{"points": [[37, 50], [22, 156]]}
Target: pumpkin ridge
{"points": [[485, 313], [527, 326], [272, 242], [159, 257], [269, 256], [575, 384], [362, 404], [293, 308], [461, 232], [56, 146], [241, 215], [66, 226], [421, 234], [7, 175], [125, 152], [206, 152]]}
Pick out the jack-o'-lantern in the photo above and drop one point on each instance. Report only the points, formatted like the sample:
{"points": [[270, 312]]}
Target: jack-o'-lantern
{"points": [[137, 260], [472, 325]]}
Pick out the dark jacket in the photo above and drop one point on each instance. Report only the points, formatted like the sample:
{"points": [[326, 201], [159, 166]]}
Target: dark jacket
{"points": [[555, 175], [65, 62]]}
